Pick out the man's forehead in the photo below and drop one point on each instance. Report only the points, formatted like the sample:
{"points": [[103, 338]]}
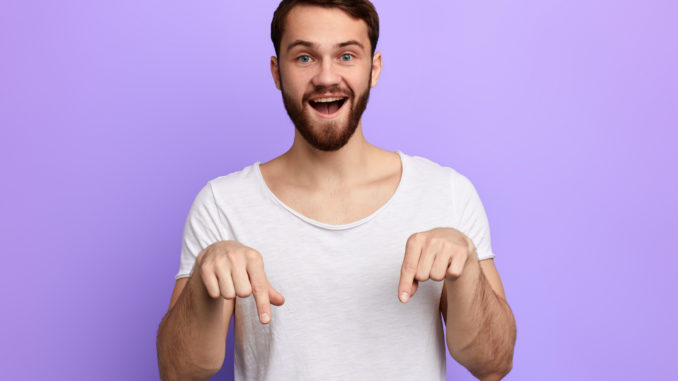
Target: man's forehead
{"points": [[323, 26]]}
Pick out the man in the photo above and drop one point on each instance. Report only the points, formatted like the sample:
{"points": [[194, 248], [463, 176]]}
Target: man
{"points": [[364, 249]]}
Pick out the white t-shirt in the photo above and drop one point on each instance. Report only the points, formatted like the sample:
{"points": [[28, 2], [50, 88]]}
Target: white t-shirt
{"points": [[341, 318]]}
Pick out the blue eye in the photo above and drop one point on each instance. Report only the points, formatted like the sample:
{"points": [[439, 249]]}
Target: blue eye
{"points": [[346, 57], [304, 59]]}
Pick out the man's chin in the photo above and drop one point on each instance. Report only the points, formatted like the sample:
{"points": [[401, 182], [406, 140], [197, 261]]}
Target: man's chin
{"points": [[326, 134], [327, 130], [320, 124]]}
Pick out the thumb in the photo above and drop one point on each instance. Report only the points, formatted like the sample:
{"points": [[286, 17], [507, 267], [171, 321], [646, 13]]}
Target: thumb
{"points": [[275, 297]]}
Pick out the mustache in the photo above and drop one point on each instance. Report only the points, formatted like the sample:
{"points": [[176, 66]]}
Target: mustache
{"points": [[320, 90]]}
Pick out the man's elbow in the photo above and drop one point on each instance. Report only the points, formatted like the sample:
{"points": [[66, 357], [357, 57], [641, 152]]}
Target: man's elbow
{"points": [[174, 366], [483, 364], [486, 371], [168, 373], [495, 375], [171, 369]]}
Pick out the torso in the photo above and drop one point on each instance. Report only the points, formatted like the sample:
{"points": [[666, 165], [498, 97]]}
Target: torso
{"points": [[338, 206]]}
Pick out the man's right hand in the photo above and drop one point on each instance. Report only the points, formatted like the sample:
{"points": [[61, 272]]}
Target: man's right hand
{"points": [[228, 268]]}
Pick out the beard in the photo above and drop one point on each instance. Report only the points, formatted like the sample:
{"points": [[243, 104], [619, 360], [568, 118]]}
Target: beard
{"points": [[328, 135]]}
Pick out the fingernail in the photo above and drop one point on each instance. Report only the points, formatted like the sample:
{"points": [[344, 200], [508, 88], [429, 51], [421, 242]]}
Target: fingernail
{"points": [[404, 296], [264, 317]]}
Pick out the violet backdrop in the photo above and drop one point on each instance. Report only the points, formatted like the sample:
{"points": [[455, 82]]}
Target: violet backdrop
{"points": [[114, 114]]}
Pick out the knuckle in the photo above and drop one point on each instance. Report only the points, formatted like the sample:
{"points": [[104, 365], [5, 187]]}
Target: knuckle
{"points": [[413, 239], [259, 289], [252, 255], [227, 287], [255, 260], [229, 295], [454, 273], [205, 267], [221, 260], [436, 241], [244, 291], [232, 256], [409, 267], [445, 244], [210, 290], [465, 255]]}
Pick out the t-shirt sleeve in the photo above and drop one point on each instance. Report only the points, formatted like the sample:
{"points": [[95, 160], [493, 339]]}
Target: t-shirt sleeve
{"points": [[472, 219], [203, 227]]}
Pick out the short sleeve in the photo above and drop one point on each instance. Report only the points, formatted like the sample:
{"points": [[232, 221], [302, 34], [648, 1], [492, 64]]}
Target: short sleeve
{"points": [[203, 227], [472, 219]]}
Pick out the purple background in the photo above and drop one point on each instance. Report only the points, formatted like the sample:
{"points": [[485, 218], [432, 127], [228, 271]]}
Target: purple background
{"points": [[115, 113]]}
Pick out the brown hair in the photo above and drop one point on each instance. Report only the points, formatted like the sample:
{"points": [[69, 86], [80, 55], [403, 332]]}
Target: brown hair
{"points": [[360, 9]]}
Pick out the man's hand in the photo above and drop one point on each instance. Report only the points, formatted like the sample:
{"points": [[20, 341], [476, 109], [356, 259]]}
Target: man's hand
{"points": [[228, 268], [438, 254]]}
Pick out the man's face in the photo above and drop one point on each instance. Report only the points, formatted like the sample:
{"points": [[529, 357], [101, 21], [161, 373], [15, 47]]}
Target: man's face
{"points": [[325, 71]]}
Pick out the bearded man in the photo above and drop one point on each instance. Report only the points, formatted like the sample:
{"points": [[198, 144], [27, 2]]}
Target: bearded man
{"points": [[366, 252]]}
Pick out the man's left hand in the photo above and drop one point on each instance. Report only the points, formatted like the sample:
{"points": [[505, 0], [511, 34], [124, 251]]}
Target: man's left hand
{"points": [[438, 254]]}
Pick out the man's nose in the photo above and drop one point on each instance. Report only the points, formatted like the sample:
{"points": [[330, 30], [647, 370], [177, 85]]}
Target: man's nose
{"points": [[327, 74]]}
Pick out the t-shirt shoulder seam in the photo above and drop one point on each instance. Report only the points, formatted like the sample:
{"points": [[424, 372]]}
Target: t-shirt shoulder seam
{"points": [[232, 174], [217, 210], [429, 164]]}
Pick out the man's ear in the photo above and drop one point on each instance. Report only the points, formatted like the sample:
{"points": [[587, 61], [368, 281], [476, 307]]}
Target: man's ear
{"points": [[275, 71], [376, 68]]}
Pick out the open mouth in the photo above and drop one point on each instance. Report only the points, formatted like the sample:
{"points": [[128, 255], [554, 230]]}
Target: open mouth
{"points": [[328, 106]]}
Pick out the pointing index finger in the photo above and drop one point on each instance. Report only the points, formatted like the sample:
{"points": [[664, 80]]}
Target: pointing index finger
{"points": [[406, 287], [260, 287]]}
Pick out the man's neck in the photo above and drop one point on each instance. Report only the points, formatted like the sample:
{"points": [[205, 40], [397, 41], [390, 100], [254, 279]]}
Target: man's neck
{"points": [[354, 163]]}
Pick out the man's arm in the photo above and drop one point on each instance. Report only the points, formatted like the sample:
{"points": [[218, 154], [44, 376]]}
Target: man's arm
{"points": [[480, 327], [192, 336], [191, 340]]}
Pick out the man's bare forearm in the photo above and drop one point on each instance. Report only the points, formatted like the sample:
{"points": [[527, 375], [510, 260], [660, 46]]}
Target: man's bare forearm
{"points": [[190, 341], [480, 327]]}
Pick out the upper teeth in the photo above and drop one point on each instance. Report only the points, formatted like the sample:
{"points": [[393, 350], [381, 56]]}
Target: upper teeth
{"points": [[328, 99]]}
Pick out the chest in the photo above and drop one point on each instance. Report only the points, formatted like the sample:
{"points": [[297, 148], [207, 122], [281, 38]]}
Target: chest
{"points": [[341, 205], [338, 208], [345, 274]]}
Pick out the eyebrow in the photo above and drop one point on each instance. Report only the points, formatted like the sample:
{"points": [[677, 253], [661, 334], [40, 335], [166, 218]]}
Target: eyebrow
{"points": [[309, 44]]}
